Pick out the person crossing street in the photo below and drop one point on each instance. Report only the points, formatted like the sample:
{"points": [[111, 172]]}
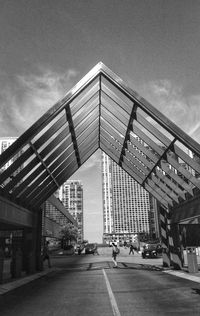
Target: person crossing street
{"points": [[131, 250]]}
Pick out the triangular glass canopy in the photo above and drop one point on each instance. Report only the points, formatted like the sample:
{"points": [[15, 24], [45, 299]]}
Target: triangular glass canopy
{"points": [[101, 111]]}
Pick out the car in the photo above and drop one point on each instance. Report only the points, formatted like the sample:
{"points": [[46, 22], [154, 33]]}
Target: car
{"points": [[79, 249], [90, 249], [151, 250]]}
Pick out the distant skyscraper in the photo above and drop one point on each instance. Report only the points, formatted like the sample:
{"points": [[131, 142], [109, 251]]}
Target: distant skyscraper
{"points": [[5, 142], [126, 205], [71, 195]]}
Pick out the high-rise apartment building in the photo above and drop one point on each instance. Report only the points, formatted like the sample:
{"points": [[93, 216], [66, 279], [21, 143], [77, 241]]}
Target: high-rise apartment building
{"points": [[126, 205], [71, 195], [5, 142]]}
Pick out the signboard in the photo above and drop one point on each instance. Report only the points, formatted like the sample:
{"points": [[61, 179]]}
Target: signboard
{"points": [[190, 235], [11, 233]]}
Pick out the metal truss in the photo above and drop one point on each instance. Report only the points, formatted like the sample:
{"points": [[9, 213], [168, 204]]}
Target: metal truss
{"points": [[101, 111]]}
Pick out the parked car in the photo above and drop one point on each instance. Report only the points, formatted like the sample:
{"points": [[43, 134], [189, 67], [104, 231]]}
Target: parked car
{"points": [[79, 249], [90, 249], [151, 250]]}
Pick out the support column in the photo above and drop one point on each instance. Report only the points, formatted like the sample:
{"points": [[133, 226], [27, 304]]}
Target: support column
{"points": [[39, 261], [164, 219], [1, 263], [176, 249], [32, 238], [172, 248], [28, 250]]}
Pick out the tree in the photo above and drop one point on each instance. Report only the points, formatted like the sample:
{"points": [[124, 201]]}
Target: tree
{"points": [[68, 234]]}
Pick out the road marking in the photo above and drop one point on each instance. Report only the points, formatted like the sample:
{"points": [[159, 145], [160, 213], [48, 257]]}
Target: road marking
{"points": [[113, 302]]}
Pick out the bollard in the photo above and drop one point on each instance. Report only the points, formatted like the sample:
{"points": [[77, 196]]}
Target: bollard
{"points": [[1, 264], [192, 260]]}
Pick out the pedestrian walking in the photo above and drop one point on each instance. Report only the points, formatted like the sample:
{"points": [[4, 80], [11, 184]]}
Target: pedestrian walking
{"points": [[115, 252], [96, 250], [46, 255], [131, 249]]}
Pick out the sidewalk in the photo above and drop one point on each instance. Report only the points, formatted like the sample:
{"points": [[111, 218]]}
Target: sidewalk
{"points": [[15, 283]]}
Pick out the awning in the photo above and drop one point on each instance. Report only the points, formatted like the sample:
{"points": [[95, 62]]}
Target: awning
{"points": [[101, 111]]}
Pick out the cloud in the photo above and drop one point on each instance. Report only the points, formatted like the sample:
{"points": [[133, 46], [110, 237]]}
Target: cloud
{"points": [[170, 100], [28, 97], [161, 88]]}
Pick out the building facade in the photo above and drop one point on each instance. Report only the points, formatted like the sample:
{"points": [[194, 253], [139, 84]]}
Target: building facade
{"points": [[128, 209], [52, 213], [71, 195]]}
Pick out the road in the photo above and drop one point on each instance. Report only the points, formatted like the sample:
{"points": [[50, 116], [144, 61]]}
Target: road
{"points": [[88, 285]]}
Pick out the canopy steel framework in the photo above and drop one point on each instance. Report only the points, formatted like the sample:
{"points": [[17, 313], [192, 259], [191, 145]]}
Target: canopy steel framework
{"points": [[101, 111]]}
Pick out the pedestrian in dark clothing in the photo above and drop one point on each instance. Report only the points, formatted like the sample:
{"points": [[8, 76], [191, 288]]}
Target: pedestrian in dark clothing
{"points": [[46, 255], [131, 250], [96, 250]]}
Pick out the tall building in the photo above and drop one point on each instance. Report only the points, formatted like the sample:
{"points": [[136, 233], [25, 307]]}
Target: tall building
{"points": [[5, 142], [127, 210], [71, 195]]}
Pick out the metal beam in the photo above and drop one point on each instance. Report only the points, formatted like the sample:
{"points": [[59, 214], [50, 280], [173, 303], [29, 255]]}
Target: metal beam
{"points": [[14, 214], [160, 159], [72, 131], [59, 206], [43, 163], [188, 209], [127, 135], [50, 114], [151, 110]]}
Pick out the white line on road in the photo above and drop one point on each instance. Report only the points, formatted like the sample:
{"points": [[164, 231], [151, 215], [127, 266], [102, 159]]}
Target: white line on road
{"points": [[113, 302]]}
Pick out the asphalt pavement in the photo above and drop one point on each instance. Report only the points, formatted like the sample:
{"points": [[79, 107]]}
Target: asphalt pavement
{"points": [[89, 285], [124, 260]]}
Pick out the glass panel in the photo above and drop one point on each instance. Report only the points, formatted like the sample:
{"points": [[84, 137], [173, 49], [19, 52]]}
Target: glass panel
{"points": [[114, 132], [114, 112], [93, 116], [85, 111], [112, 120], [90, 131], [53, 139], [109, 103], [84, 96], [111, 140], [117, 95], [55, 120]]}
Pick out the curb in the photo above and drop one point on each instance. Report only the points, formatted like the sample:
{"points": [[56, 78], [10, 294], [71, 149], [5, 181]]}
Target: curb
{"points": [[183, 275]]}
